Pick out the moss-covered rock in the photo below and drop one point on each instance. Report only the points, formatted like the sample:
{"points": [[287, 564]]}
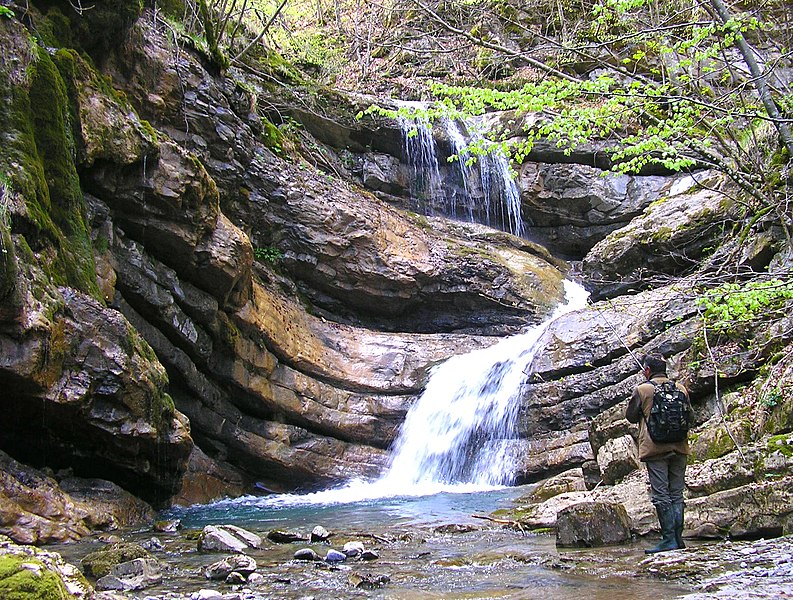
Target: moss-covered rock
{"points": [[98, 564], [23, 578], [28, 573], [95, 30]]}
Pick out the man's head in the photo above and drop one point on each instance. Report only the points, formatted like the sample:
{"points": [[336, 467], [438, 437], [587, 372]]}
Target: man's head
{"points": [[653, 364]]}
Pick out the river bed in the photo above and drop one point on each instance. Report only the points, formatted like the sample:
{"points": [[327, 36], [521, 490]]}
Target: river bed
{"points": [[431, 546]]}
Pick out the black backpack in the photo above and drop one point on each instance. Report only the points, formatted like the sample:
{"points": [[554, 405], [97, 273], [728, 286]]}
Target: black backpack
{"points": [[670, 415]]}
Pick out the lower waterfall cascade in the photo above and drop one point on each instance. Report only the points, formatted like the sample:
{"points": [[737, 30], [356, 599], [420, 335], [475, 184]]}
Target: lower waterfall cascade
{"points": [[457, 435]]}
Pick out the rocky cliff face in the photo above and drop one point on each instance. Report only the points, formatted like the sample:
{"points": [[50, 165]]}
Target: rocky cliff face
{"points": [[189, 310], [129, 269]]}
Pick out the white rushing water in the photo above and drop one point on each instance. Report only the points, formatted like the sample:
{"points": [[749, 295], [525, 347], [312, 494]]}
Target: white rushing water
{"points": [[490, 177], [456, 437], [486, 191]]}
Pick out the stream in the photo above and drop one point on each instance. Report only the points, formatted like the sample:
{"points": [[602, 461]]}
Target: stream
{"points": [[429, 547]]}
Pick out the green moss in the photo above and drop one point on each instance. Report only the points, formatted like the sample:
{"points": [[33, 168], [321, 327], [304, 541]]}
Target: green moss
{"points": [[20, 583], [99, 29], [272, 136], [55, 29], [98, 564], [50, 115], [782, 444]]}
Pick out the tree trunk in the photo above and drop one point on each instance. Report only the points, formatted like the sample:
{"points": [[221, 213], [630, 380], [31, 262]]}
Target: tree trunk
{"points": [[760, 83]]}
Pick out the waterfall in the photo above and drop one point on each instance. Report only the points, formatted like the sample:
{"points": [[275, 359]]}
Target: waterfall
{"points": [[419, 150], [499, 192], [481, 191], [459, 431], [458, 435]]}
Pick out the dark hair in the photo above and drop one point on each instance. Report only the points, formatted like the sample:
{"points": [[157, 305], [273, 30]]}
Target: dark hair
{"points": [[655, 362]]}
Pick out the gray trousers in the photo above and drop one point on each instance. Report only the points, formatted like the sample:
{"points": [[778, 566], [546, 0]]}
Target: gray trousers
{"points": [[667, 477]]}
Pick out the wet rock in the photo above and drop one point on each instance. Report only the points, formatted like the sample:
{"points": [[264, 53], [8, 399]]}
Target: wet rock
{"points": [[368, 555], [107, 506], [552, 452], [152, 545], [286, 537], [454, 528], [591, 524], [136, 574], [569, 481], [617, 458], [368, 581], [206, 595], [100, 563], [206, 480], [334, 556], [227, 538], [238, 563], [353, 549], [235, 578], [34, 508], [169, 526], [319, 534], [307, 554]]}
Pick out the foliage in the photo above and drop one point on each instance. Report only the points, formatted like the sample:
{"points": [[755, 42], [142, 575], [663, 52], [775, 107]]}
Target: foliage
{"points": [[733, 304], [268, 254], [668, 94], [6, 12]]}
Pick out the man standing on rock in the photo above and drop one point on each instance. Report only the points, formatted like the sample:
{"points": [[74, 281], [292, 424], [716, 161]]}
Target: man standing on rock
{"points": [[665, 461]]}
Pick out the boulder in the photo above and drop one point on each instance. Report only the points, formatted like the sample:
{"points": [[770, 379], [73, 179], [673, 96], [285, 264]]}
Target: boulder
{"points": [[617, 458], [100, 563], [136, 574], [670, 237], [353, 549], [334, 556], [227, 538], [367, 581], [319, 534], [591, 524], [286, 537], [238, 563]]}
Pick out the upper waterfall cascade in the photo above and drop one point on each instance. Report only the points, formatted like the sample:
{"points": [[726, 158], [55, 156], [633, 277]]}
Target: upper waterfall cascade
{"points": [[481, 190]]}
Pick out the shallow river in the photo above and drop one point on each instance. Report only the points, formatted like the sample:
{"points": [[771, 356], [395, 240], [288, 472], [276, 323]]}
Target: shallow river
{"points": [[420, 560]]}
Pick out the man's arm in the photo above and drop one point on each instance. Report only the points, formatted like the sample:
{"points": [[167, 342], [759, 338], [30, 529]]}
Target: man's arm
{"points": [[634, 411]]}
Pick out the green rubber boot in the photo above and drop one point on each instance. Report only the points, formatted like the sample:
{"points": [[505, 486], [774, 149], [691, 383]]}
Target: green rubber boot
{"points": [[678, 509], [666, 517]]}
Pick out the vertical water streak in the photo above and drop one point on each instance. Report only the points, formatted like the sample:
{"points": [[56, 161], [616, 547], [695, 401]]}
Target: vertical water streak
{"points": [[460, 428], [420, 155], [487, 191]]}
